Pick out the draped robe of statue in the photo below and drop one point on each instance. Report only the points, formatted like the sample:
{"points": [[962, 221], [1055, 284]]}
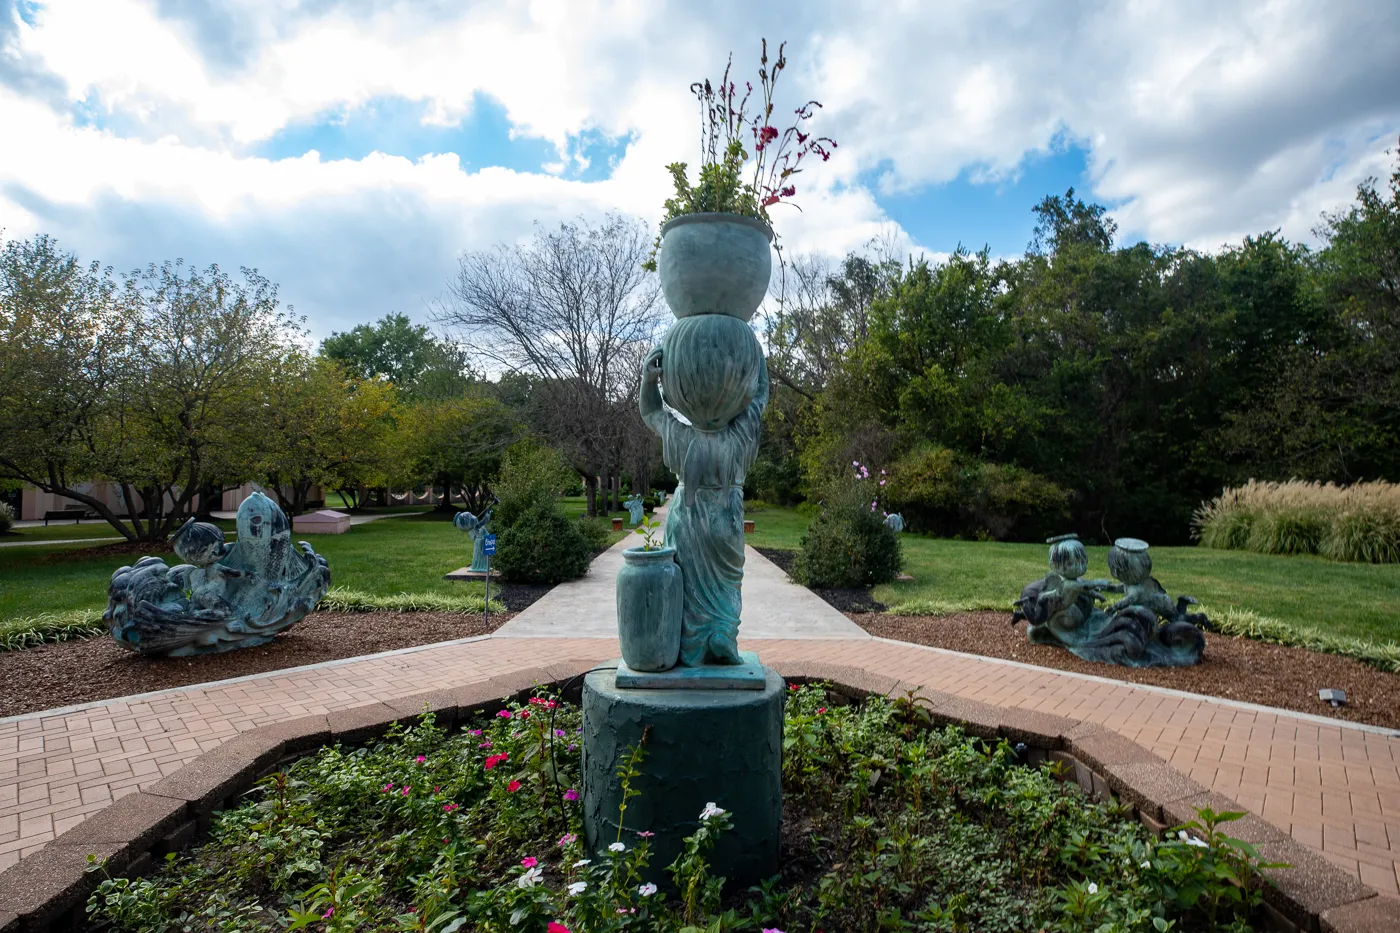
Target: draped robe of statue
{"points": [[705, 520]]}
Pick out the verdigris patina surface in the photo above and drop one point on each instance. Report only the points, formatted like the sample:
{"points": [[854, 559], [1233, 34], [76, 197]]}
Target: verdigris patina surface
{"points": [[1144, 629], [635, 508], [224, 596], [477, 528], [705, 521]]}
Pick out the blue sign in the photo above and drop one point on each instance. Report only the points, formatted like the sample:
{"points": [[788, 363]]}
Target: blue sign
{"points": [[489, 547]]}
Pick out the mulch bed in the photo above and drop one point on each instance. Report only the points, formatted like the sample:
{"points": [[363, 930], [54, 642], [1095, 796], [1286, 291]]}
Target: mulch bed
{"points": [[1232, 668], [80, 671]]}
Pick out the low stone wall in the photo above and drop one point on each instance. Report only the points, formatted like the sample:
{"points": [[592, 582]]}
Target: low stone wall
{"points": [[48, 890]]}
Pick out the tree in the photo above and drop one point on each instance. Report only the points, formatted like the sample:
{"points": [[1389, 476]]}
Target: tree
{"points": [[457, 444], [148, 385], [569, 310], [404, 353], [321, 426]]}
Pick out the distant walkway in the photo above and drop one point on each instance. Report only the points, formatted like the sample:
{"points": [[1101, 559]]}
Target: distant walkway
{"points": [[230, 516], [1333, 785]]}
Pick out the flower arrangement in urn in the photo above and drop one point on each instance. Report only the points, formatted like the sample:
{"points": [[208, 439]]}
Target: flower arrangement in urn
{"points": [[777, 155]]}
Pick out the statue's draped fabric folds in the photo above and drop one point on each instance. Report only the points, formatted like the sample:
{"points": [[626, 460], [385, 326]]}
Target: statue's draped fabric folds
{"points": [[705, 523]]}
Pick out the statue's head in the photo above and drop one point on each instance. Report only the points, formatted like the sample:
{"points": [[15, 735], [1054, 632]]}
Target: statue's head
{"points": [[1129, 561], [712, 364], [198, 543], [263, 531], [465, 521], [1067, 556]]}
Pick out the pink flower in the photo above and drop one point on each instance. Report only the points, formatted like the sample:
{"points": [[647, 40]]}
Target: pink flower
{"points": [[822, 710], [529, 861], [473, 732], [570, 794], [494, 760], [646, 835], [387, 787], [420, 759], [560, 733], [557, 927], [513, 786], [567, 838], [504, 714], [404, 792], [330, 912], [486, 744], [449, 807], [524, 714], [436, 789]]}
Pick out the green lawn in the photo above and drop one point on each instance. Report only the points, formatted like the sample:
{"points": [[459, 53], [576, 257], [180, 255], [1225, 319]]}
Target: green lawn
{"points": [[1306, 593], [383, 558]]}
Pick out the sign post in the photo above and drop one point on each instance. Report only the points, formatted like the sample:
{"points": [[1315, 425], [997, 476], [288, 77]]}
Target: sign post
{"points": [[489, 550]]}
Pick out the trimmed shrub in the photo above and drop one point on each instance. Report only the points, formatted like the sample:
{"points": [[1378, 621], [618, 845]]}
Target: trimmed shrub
{"points": [[849, 543], [542, 546], [7, 518], [596, 533], [530, 474]]}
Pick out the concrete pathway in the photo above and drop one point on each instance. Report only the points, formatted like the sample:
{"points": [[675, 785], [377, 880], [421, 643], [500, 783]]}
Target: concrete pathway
{"points": [[1333, 785], [774, 606], [45, 541]]}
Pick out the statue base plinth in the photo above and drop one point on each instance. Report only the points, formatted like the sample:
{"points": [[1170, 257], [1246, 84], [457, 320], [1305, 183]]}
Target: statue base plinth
{"points": [[466, 573], [747, 676], [702, 746]]}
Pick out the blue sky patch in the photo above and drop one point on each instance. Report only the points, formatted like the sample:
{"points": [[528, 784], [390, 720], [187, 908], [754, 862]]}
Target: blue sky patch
{"points": [[395, 126], [994, 213]]}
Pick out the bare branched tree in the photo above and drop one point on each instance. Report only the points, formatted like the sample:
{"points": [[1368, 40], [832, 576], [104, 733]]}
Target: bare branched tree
{"points": [[569, 309]]}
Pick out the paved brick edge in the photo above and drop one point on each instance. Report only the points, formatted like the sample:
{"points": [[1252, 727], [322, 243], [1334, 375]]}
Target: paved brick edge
{"points": [[48, 890]]}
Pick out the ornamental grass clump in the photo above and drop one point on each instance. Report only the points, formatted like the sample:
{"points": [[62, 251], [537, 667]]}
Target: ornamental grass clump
{"points": [[1359, 523], [900, 827]]}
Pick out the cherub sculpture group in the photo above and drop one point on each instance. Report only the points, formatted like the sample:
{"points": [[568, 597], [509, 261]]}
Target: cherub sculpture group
{"points": [[1145, 628]]}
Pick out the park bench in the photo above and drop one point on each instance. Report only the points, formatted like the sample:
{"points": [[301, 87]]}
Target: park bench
{"points": [[76, 514]]}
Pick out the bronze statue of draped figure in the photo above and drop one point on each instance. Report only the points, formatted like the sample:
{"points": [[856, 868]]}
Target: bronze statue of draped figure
{"points": [[705, 520]]}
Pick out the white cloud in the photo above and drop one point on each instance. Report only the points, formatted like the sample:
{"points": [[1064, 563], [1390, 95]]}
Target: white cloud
{"points": [[1204, 121]]}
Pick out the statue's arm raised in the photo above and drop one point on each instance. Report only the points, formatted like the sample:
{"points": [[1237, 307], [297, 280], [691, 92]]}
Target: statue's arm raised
{"points": [[649, 396]]}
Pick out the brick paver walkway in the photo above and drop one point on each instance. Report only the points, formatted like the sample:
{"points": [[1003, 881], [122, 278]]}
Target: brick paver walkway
{"points": [[1334, 788]]}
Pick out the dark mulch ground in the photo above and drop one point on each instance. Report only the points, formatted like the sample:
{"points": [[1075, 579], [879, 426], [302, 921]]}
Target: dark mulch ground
{"points": [[1233, 668], [80, 671]]}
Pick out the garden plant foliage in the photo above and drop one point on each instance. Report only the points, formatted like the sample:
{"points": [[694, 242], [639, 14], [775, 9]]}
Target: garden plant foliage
{"points": [[895, 826], [848, 544], [1358, 523], [537, 543]]}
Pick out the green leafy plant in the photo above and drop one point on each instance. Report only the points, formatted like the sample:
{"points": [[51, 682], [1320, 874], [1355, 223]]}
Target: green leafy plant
{"points": [[849, 544], [649, 528], [724, 124]]}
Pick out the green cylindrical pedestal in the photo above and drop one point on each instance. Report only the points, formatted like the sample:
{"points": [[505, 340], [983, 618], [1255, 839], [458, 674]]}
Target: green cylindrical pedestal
{"points": [[720, 746]]}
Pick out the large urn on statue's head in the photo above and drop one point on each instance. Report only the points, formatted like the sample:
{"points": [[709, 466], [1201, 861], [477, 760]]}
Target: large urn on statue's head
{"points": [[715, 264]]}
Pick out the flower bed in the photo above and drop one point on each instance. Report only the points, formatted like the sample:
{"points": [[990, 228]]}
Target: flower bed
{"points": [[890, 824]]}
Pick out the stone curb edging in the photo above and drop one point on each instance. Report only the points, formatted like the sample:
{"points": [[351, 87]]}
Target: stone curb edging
{"points": [[47, 891]]}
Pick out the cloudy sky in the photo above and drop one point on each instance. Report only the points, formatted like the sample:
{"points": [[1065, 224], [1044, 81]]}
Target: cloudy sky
{"points": [[352, 150]]}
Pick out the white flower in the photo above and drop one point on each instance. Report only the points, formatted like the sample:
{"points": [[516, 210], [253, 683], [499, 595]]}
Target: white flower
{"points": [[1093, 888], [1181, 834], [617, 847], [710, 810], [578, 887], [647, 890], [582, 862], [530, 878], [1199, 843], [1146, 864]]}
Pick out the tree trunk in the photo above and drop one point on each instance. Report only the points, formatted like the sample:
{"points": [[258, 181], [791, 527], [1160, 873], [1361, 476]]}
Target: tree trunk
{"points": [[590, 491]]}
